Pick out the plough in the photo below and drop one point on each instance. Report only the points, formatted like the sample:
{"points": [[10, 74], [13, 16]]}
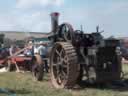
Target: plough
{"points": [[15, 60]]}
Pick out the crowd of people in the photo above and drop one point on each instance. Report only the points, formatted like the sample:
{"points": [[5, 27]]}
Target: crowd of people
{"points": [[29, 49], [38, 48]]}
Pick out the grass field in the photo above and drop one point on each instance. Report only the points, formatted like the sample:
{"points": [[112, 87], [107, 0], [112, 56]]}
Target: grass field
{"points": [[24, 85]]}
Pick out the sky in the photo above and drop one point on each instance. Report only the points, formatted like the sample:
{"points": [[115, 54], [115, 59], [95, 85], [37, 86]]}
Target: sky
{"points": [[34, 15]]}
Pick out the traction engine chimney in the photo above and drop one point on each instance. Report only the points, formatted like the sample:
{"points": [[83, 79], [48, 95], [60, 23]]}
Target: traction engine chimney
{"points": [[54, 21]]}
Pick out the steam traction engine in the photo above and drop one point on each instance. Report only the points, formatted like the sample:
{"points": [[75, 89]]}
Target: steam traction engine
{"points": [[76, 56]]}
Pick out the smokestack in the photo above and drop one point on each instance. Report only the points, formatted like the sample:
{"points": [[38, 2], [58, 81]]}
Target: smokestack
{"points": [[54, 21]]}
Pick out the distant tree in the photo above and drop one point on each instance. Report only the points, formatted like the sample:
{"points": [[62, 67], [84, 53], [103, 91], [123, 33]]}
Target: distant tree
{"points": [[20, 43], [7, 42], [29, 39], [1, 38]]}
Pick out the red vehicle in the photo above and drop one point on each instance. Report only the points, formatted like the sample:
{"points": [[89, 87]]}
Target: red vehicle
{"points": [[11, 62], [19, 62]]}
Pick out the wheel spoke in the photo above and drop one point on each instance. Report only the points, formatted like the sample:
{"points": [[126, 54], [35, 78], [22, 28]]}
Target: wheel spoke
{"points": [[57, 61], [61, 52], [54, 64], [65, 28], [58, 53], [65, 59], [59, 78], [58, 71], [69, 35], [64, 65], [64, 73]]}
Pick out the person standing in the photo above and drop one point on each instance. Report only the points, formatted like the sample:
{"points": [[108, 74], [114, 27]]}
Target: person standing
{"points": [[42, 51], [12, 50]]}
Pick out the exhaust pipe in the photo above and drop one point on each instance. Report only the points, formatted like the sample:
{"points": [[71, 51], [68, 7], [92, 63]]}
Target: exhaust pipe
{"points": [[54, 21]]}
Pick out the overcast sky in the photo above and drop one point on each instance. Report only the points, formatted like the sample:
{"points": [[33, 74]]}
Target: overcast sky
{"points": [[33, 15]]}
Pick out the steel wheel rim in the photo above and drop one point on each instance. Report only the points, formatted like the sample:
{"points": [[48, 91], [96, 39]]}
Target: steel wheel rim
{"points": [[59, 65]]}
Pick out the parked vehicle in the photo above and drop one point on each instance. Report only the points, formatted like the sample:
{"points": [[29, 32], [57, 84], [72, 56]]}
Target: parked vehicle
{"points": [[76, 55]]}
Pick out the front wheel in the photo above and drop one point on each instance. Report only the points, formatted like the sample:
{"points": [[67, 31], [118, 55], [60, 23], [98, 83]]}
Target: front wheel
{"points": [[37, 68]]}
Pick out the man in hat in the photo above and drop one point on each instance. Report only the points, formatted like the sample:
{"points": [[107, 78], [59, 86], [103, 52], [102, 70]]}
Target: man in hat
{"points": [[12, 50], [42, 51]]}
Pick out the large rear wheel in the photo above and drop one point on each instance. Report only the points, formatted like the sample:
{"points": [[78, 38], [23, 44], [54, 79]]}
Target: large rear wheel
{"points": [[64, 65]]}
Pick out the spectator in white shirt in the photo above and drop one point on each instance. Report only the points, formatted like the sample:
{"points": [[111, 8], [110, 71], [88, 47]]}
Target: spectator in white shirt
{"points": [[42, 51]]}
